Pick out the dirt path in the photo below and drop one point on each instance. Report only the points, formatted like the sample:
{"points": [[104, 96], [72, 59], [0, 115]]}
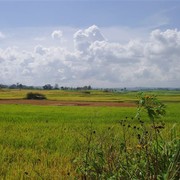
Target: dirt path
{"points": [[65, 103]]}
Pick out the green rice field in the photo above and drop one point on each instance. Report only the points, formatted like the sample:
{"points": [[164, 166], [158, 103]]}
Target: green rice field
{"points": [[43, 142]]}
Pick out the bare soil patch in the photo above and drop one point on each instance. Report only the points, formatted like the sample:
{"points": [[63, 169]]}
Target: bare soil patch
{"points": [[65, 103]]}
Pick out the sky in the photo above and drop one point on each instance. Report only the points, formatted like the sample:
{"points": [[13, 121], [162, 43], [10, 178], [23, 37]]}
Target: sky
{"points": [[102, 43]]}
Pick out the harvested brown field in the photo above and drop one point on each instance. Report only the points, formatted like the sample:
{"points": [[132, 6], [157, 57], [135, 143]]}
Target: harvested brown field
{"points": [[66, 103]]}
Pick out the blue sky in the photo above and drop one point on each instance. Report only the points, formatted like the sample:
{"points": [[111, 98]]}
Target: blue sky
{"points": [[99, 43], [85, 13]]}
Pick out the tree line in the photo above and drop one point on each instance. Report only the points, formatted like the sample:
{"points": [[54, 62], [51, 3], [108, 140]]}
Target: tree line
{"points": [[45, 87]]}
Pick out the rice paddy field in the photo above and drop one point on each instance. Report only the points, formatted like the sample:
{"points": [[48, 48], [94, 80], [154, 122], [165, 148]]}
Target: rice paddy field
{"points": [[44, 141]]}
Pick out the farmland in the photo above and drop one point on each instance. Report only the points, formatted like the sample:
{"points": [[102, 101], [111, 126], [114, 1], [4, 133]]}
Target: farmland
{"points": [[42, 141]]}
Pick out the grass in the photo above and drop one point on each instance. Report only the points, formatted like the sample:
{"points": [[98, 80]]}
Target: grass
{"points": [[29, 133], [95, 95], [43, 142]]}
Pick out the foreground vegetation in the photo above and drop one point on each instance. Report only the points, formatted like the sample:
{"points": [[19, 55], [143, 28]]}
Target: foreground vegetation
{"points": [[142, 152], [45, 142]]}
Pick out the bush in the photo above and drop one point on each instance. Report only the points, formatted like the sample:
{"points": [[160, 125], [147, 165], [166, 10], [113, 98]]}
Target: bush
{"points": [[35, 96]]}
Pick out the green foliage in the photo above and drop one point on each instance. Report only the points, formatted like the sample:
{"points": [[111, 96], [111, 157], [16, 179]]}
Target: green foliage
{"points": [[37, 96], [152, 105]]}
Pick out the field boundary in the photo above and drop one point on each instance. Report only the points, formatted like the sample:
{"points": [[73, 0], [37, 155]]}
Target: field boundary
{"points": [[66, 103]]}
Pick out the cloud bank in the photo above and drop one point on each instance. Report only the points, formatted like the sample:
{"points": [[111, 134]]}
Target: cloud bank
{"points": [[96, 61]]}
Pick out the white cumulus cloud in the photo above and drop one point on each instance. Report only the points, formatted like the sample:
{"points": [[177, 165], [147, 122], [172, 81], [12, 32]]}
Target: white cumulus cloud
{"points": [[84, 38], [153, 61], [40, 50], [57, 34]]}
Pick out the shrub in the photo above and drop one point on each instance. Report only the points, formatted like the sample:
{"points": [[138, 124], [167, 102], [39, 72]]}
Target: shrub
{"points": [[86, 92], [38, 96]]}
